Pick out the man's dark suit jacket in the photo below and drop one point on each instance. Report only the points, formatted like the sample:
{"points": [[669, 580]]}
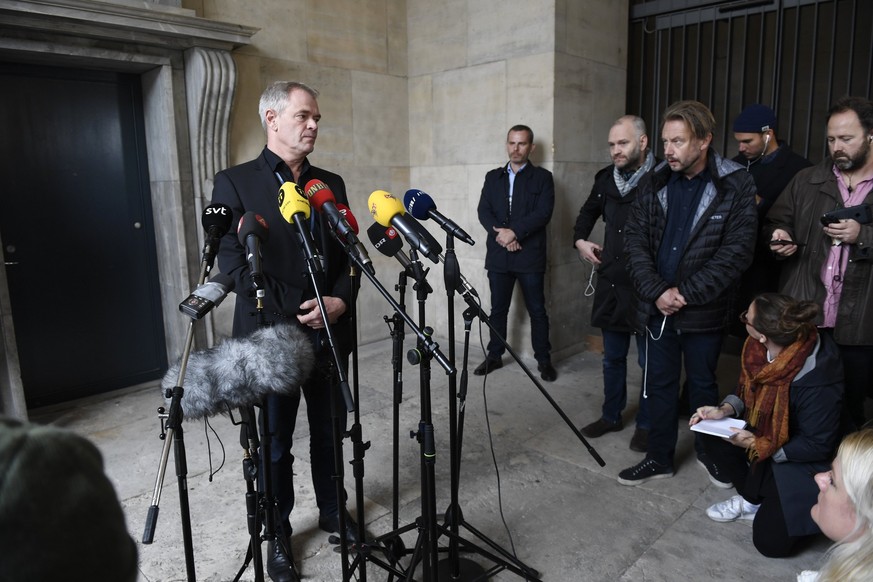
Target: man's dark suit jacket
{"points": [[533, 199], [253, 186]]}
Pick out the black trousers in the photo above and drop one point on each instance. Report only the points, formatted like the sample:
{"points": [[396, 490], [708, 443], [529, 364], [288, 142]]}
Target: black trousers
{"points": [[756, 484]]}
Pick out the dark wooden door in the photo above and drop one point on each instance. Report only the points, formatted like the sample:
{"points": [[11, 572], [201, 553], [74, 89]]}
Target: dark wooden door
{"points": [[77, 232]]}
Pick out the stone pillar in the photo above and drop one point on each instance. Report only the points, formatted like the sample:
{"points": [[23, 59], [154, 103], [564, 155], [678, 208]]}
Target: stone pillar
{"points": [[210, 80]]}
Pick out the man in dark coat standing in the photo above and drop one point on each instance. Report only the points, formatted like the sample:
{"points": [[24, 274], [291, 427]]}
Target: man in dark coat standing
{"points": [[614, 190], [290, 116], [772, 164], [690, 236], [515, 207]]}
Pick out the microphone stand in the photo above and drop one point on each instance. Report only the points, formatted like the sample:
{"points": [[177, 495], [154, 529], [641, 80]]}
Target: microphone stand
{"points": [[475, 310], [173, 434], [453, 515], [426, 349], [359, 447], [261, 504], [315, 271]]}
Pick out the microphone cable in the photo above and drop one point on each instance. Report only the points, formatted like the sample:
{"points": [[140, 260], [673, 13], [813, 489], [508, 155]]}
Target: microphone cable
{"points": [[206, 428], [491, 442]]}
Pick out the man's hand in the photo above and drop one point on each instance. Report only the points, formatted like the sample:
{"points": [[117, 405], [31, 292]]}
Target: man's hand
{"points": [[505, 236], [670, 301], [780, 249], [589, 251], [312, 318], [846, 231]]}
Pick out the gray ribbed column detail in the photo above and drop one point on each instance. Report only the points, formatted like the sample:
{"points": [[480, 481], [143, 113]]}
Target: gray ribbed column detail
{"points": [[210, 79]]}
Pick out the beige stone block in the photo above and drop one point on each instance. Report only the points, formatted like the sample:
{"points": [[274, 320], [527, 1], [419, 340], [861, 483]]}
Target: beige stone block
{"points": [[380, 113], [530, 101], [349, 35], [421, 143], [398, 56], [589, 97], [594, 29], [437, 35], [510, 29], [281, 24], [469, 114]]}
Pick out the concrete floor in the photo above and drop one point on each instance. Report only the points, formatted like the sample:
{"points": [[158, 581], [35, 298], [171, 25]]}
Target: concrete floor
{"points": [[567, 517]]}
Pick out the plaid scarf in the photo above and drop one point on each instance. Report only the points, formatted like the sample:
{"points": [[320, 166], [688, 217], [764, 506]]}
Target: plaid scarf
{"points": [[626, 185], [764, 388]]}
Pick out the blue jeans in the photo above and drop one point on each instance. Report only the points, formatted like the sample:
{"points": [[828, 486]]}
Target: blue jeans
{"points": [[664, 360], [615, 348], [502, 285]]}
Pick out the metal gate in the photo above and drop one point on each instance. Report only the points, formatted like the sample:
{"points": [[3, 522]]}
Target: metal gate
{"points": [[796, 56]]}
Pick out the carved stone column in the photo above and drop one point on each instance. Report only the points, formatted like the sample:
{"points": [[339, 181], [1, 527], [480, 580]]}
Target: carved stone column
{"points": [[210, 80]]}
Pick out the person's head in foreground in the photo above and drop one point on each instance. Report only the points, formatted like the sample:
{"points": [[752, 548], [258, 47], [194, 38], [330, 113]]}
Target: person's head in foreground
{"points": [[844, 511]]}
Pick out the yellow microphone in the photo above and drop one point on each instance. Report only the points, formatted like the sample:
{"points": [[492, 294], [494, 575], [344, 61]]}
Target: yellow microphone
{"points": [[292, 201], [383, 206], [389, 211]]}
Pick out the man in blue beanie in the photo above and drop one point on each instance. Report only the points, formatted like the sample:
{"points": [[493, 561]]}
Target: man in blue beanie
{"points": [[772, 164]]}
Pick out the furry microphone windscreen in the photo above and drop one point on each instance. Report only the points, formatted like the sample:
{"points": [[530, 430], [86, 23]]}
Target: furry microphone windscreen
{"points": [[241, 372]]}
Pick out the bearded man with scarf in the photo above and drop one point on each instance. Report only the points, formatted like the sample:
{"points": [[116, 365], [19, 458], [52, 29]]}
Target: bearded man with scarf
{"points": [[790, 394], [614, 190]]}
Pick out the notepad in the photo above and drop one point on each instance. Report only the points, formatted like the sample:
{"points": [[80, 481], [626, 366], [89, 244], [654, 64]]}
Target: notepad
{"points": [[719, 428]]}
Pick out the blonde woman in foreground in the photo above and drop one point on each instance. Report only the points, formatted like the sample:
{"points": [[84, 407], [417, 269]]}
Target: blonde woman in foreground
{"points": [[844, 512]]}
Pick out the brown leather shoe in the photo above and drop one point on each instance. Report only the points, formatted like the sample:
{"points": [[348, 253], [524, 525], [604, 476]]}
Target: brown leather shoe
{"points": [[600, 427]]}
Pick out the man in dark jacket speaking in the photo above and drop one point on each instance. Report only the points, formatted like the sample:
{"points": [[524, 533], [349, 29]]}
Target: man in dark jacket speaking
{"points": [[690, 236]]}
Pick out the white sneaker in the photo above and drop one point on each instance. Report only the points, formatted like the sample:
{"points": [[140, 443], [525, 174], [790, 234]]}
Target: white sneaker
{"points": [[732, 509]]}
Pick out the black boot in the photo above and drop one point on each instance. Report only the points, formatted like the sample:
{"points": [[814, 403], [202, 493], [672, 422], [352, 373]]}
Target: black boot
{"points": [[279, 566]]}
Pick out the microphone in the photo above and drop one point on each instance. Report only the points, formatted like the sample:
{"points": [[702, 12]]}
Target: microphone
{"points": [[252, 232], [216, 220], [388, 242], [295, 209], [207, 296], [387, 210], [321, 197], [350, 218], [421, 206], [241, 372]]}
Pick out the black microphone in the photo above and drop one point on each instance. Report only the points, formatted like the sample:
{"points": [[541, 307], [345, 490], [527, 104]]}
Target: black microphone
{"points": [[207, 296], [387, 210], [241, 372], [252, 233], [421, 206], [388, 242], [216, 220]]}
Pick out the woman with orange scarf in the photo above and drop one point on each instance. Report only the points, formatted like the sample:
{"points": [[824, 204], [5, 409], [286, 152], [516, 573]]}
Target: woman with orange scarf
{"points": [[789, 393]]}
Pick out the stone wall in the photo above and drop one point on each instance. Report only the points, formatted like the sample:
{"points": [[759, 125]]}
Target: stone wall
{"points": [[420, 94]]}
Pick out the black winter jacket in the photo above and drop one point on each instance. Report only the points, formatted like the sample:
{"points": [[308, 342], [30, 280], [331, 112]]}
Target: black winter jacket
{"points": [[613, 295], [718, 250]]}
